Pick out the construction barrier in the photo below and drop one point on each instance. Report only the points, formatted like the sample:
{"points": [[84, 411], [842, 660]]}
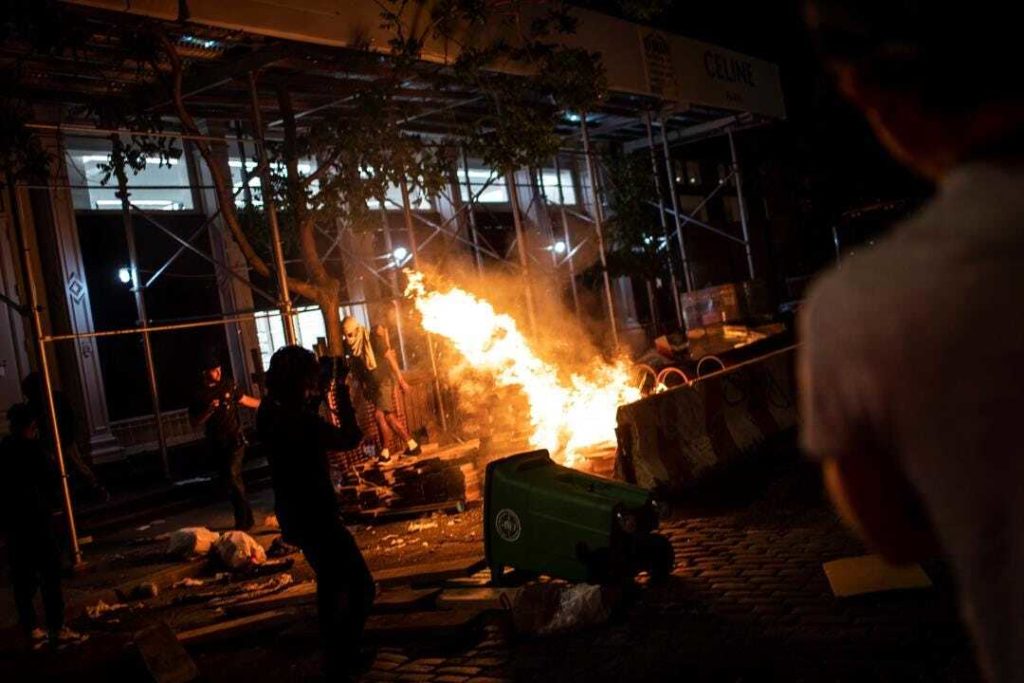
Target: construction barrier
{"points": [[672, 440]]}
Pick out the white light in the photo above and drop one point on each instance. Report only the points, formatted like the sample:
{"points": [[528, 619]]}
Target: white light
{"points": [[572, 117], [124, 275], [400, 254], [560, 247]]}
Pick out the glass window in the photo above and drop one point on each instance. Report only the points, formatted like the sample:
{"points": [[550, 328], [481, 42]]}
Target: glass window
{"points": [[483, 193], [549, 179], [393, 200], [169, 188], [309, 323]]}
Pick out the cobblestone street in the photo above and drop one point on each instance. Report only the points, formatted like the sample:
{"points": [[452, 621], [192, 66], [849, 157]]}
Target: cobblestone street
{"points": [[749, 601]]}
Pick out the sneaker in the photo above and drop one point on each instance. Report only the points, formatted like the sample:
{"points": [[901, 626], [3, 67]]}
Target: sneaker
{"points": [[413, 451], [37, 634], [384, 456]]}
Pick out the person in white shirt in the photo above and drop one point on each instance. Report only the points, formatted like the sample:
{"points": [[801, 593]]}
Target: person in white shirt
{"points": [[913, 353]]}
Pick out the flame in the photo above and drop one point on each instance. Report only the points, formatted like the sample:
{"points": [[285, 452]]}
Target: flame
{"points": [[567, 414]]}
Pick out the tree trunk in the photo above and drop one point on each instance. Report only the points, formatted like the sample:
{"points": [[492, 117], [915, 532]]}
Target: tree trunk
{"points": [[332, 323]]}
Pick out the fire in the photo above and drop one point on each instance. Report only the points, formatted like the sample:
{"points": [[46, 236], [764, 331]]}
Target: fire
{"points": [[567, 413]]}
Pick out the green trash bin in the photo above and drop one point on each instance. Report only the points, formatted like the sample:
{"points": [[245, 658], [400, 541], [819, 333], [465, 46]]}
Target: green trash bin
{"points": [[541, 517]]}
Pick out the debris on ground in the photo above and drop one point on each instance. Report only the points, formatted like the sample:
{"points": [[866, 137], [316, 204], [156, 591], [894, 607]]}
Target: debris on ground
{"points": [[281, 548], [238, 550], [147, 540], [270, 521], [189, 541], [254, 590], [421, 525], [101, 608], [189, 582], [548, 608]]}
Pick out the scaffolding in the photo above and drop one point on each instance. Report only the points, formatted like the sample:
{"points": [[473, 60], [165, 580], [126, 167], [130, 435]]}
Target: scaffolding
{"points": [[629, 122]]}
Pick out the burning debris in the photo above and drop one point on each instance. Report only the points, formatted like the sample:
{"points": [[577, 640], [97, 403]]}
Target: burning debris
{"points": [[568, 411]]}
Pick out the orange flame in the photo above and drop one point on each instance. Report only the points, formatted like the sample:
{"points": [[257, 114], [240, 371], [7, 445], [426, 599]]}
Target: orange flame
{"points": [[566, 415]]}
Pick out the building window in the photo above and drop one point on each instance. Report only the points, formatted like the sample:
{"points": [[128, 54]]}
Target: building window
{"points": [[550, 182], [154, 188], [309, 324], [496, 192]]}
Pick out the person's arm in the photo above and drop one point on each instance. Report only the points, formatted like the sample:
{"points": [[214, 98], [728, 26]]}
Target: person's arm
{"points": [[249, 401], [396, 371], [199, 412]]}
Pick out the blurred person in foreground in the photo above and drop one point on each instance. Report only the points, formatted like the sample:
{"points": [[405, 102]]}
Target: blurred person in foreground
{"points": [[29, 493], [289, 422], [921, 453]]}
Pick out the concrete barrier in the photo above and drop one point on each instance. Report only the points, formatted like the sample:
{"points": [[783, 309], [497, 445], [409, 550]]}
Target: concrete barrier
{"points": [[673, 440]]}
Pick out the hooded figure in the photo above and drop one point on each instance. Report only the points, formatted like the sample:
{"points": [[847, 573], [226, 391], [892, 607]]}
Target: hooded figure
{"points": [[298, 438]]}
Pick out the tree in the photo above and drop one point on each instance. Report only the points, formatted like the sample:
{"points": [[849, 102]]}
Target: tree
{"points": [[360, 155]]}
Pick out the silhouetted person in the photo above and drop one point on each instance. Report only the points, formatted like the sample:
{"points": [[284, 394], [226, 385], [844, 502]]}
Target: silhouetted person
{"points": [[29, 494], [290, 424], [375, 366], [921, 451], [215, 407], [78, 469]]}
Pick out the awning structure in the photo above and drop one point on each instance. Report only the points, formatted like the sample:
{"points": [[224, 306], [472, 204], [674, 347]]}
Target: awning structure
{"points": [[325, 51]]}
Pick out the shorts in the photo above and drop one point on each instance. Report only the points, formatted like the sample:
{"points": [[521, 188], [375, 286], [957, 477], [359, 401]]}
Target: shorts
{"points": [[383, 395]]}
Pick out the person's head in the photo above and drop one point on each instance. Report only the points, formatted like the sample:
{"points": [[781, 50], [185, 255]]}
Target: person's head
{"points": [[350, 330], [938, 82], [293, 377], [32, 387], [22, 420], [212, 371]]}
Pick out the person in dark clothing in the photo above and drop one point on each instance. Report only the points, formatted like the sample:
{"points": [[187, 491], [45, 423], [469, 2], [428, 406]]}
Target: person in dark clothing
{"points": [[67, 423], [306, 504], [215, 407], [375, 367], [28, 496]]}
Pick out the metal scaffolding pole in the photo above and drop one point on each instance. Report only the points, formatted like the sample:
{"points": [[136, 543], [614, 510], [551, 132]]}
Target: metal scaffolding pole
{"points": [[598, 229], [140, 308], [407, 213], [44, 365], [664, 221], [567, 239], [472, 216], [267, 191], [524, 264], [395, 292], [743, 205], [687, 276]]}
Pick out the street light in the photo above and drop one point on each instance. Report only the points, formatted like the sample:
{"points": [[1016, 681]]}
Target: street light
{"points": [[560, 247], [400, 255], [124, 274]]}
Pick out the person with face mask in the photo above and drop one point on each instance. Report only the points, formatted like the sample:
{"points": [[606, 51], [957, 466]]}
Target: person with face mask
{"points": [[290, 423]]}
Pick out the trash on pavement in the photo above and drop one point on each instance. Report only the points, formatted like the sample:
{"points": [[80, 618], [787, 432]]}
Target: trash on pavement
{"points": [[189, 541], [238, 550], [547, 608], [100, 608]]}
